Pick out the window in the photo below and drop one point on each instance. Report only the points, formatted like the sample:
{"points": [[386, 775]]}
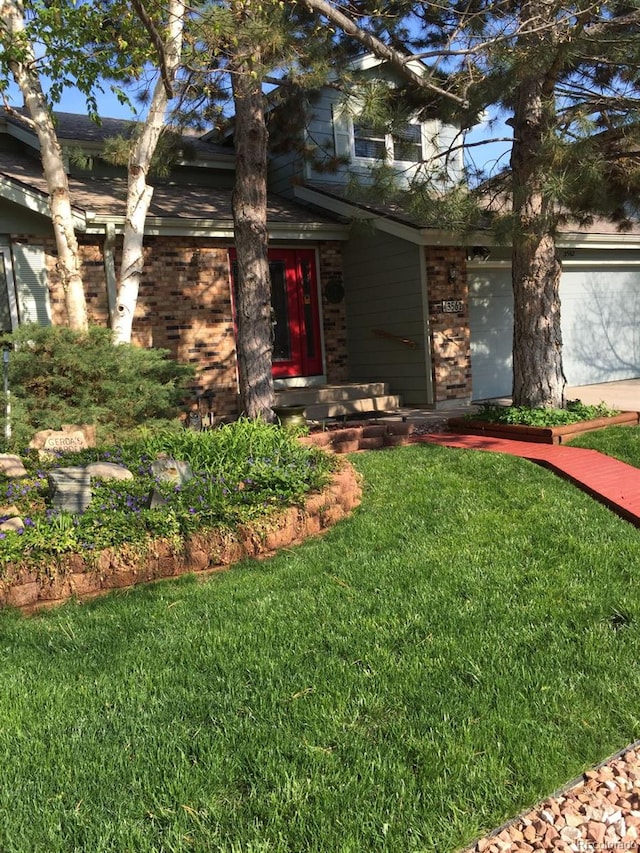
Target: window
{"points": [[407, 143], [369, 142], [403, 145]]}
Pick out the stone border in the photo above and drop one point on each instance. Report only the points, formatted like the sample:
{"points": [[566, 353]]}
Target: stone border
{"points": [[213, 551], [540, 435], [373, 436]]}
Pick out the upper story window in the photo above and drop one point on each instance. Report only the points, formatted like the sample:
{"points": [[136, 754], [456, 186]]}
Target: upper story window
{"points": [[403, 145]]}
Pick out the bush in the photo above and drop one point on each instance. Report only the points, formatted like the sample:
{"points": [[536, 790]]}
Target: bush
{"points": [[58, 376]]}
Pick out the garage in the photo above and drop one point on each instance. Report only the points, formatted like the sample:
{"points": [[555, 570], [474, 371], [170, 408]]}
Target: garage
{"points": [[600, 299]]}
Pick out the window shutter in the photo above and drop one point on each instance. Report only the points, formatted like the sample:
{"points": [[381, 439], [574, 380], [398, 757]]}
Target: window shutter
{"points": [[29, 266], [341, 130]]}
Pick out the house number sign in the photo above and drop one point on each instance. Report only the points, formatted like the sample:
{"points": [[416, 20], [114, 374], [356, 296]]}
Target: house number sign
{"points": [[452, 306]]}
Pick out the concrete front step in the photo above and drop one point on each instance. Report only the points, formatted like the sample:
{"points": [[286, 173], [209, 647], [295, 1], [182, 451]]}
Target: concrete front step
{"points": [[362, 405], [330, 393], [336, 401]]}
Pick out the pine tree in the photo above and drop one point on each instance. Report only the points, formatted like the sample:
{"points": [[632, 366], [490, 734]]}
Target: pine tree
{"points": [[566, 78]]}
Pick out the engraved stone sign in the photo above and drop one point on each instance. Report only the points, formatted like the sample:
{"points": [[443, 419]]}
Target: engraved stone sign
{"points": [[71, 438], [65, 442]]}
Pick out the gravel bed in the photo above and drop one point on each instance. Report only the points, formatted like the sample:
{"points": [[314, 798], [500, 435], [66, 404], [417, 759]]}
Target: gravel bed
{"points": [[598, 812]]}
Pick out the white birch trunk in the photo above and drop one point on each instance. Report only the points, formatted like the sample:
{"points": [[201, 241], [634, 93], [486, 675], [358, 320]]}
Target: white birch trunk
{"points": [[139, 193], [68, 264]]}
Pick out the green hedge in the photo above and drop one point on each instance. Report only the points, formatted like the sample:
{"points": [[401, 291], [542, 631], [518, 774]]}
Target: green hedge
{"points": [[58, 376]]}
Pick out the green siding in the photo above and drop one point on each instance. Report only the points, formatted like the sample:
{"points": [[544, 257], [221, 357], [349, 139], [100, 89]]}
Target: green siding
{"points": [[384, 292]]}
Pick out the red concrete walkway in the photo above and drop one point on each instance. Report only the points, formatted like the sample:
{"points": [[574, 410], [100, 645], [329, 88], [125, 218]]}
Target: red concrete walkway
{"points": [[613, 483]]}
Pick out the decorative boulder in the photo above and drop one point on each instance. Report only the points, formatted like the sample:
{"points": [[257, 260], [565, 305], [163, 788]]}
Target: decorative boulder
{"points": [[108, 471], [70, 489], [12, 466]]}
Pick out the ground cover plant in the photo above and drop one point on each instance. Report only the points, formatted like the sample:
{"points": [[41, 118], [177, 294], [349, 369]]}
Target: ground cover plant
{"points": [[242, 471], [460, 647], [574, 412]]}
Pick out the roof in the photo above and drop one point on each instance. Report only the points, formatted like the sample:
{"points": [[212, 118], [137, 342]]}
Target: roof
{"points": [[175, 208], [81, 129], [392, 217]]}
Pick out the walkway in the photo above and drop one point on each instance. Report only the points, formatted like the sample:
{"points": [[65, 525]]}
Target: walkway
{"points": [[613, 483]]}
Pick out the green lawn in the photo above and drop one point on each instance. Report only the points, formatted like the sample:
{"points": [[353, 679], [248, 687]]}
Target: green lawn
{"points": [[462, 646], [621, 442]]}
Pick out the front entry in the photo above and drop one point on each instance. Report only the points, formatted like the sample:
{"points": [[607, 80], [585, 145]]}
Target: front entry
{"points": [[297, 349]]}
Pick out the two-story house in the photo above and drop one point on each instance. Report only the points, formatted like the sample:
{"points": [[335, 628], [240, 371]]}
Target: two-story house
{"points": [[430, 312], [362, 293]]}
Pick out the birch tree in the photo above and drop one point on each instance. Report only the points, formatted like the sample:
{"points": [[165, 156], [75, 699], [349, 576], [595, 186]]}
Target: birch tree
{"points": [[139, 192], [19, 56]]}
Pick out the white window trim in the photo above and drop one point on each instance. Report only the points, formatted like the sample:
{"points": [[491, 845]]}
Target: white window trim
{"points": [[5, 251]]}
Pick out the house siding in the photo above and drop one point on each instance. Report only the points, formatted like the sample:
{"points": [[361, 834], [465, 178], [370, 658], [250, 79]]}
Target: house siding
{"points": [[384, 297]]}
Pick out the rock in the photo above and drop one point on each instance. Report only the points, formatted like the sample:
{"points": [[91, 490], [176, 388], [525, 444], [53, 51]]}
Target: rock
{"points": [[12, 466], [9, 511], [71, 438], [108, 471], [596, 831], [171, 470], [70, 489], [11, 524]]}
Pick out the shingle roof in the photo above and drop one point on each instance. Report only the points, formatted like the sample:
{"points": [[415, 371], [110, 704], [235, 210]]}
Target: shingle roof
{"points": [[394, 211], [72, 127], [106, 197]]}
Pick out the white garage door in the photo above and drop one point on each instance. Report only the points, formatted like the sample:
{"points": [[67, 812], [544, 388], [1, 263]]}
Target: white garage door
{"points": [[600, 326], [600, 323]]}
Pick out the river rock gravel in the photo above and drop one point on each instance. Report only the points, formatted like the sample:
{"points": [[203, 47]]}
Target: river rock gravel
{"points": [[598, 812]]}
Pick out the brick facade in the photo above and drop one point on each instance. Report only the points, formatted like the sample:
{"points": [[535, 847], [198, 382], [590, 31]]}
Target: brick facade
{"points": [[184, 306], [333, 313], [450, 336]]}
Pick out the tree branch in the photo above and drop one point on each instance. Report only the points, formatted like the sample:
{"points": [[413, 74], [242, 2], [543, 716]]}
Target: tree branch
{"points": [[380, 49], [158, 43]]}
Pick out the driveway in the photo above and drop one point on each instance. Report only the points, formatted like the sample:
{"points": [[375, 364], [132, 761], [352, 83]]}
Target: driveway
{"points": [[624, 394]]}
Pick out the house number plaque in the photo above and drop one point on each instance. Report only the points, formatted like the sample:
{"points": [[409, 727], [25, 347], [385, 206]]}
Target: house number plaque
{"points": [[452, 306]]}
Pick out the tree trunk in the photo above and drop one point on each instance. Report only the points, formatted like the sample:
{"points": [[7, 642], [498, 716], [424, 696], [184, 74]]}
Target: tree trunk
{"points": [[253, 281], [68, 263], [139, 193], [538, 377]]}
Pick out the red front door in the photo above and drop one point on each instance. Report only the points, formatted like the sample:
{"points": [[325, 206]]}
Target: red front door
{"points": [[296, 317]]}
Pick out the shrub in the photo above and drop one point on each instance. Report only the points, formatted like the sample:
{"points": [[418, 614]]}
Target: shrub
{"points": [[57, 375]]}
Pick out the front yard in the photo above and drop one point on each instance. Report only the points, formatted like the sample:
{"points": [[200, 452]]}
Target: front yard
{"points": [[464, 644]]}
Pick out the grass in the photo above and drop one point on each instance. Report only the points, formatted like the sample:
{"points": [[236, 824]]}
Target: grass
{"points": [[464, 644], [620, 442]]}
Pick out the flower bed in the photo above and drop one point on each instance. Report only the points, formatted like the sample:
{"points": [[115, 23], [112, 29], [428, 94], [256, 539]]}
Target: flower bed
{"points": [[539, 434], [74, 575]]}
